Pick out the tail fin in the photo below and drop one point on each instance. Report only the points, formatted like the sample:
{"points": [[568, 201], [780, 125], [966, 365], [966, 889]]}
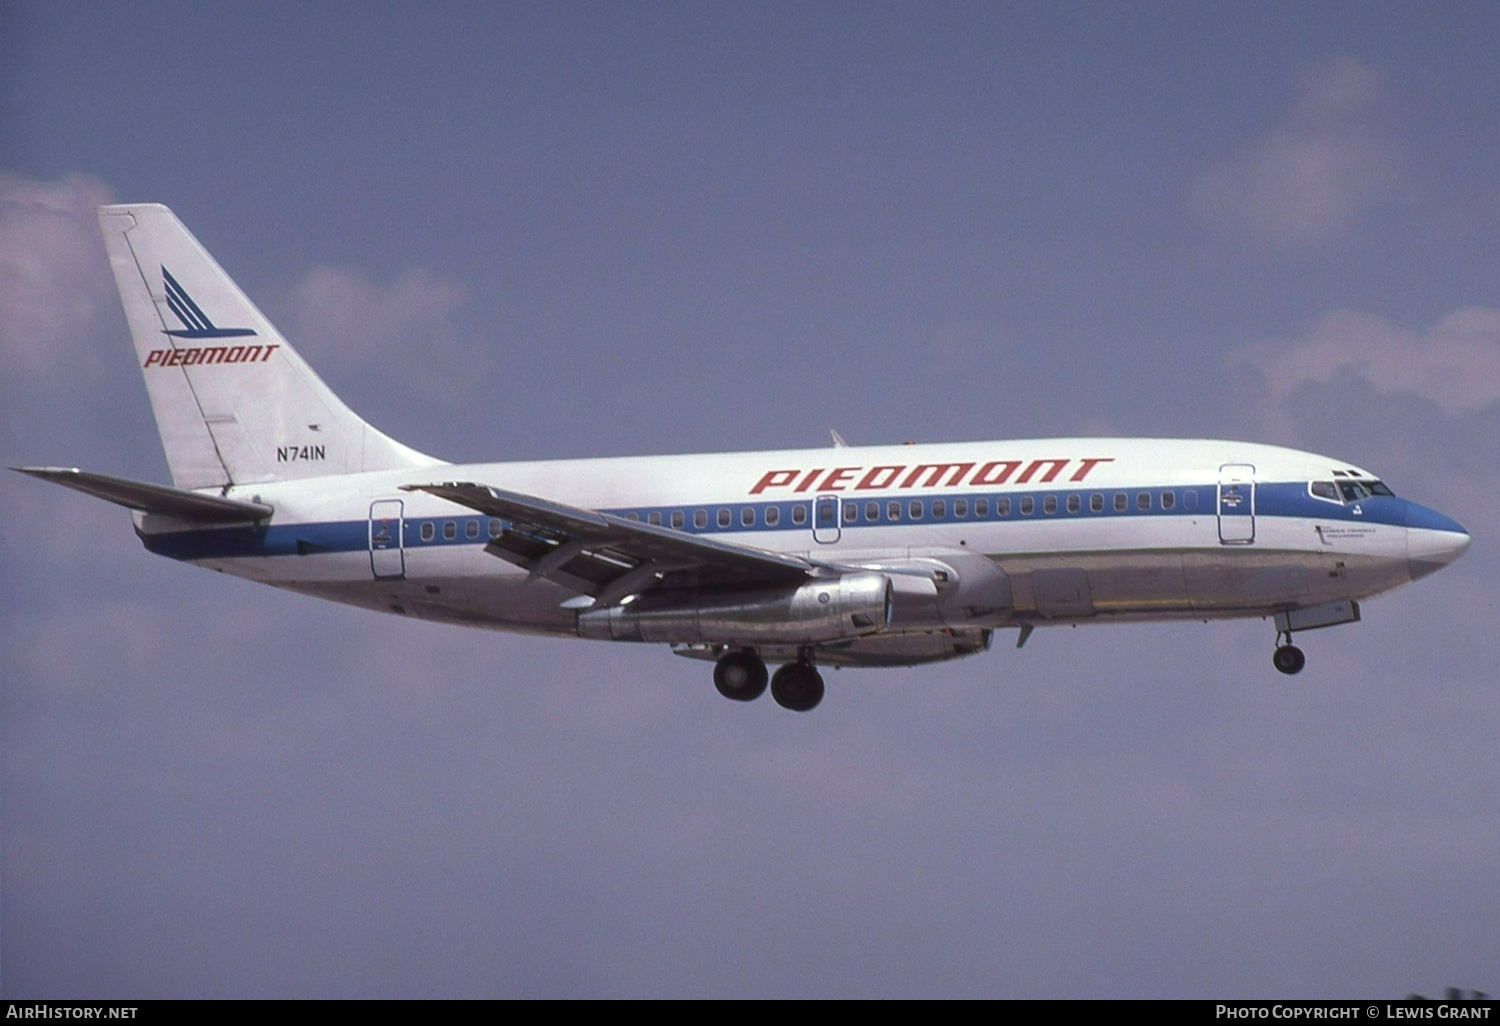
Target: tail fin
{"points": [[234, 402]]}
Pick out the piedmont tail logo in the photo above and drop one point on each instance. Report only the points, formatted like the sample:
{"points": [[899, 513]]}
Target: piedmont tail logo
{"points": [[192, 315], [196, 326]]}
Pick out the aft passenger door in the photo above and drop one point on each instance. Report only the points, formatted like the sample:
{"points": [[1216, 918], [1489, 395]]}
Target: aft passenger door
{"points": [[387, 555], [1236, 504]]}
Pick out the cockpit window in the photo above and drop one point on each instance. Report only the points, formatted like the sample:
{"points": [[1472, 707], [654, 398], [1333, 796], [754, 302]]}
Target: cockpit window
{"points": [[1345, 490]]}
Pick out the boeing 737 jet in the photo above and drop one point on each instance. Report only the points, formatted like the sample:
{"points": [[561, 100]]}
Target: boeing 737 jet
{"points": [[845, 556]]}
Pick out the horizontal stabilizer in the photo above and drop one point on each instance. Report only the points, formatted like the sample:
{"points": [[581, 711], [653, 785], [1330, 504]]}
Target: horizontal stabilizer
{"points": [[150, 498]]}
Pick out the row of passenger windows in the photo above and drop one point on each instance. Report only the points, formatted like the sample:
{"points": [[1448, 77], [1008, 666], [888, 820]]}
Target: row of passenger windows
{"points": [[916, 509], [892, 510], [450, 529], [869, 512], [724, 517]]}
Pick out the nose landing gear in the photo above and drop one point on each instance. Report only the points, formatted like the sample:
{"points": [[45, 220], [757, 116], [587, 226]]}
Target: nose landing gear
{"points": [[1287, 658]]}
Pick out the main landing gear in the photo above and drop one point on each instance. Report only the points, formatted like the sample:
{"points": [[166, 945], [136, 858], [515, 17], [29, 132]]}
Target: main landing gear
{"points": [[1287, 658], [741, 675]]}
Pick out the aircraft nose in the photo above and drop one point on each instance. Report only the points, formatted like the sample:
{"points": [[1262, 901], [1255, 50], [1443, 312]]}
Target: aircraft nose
{"points": [[1432, 540]]}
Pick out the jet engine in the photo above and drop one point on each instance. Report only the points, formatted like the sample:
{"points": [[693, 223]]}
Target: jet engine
{"points": [[828, 609]]}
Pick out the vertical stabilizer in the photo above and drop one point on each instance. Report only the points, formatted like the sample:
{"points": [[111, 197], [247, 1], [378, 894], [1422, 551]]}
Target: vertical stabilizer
{"points": [[234, 402]]}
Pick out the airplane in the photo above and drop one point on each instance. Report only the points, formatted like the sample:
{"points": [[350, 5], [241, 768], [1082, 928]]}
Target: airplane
{"points": [[893, 555]]}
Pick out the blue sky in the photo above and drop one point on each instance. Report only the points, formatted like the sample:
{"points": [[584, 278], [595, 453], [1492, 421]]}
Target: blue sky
{"points": [[533, 231]]}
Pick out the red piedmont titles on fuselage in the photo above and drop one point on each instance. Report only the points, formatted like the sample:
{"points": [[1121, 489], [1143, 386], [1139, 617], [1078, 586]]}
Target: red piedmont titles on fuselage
{"points": [[927, 475]]}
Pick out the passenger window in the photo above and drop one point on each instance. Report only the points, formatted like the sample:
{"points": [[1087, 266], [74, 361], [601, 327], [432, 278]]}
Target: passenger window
{"points": [[747, 516], [893, 510], [872, 511], [427, 531], [773, 516], [632, 516], [654, 518], [1096, 503], [799, 514], [851, 512], [1190, 499], [981, 507], [677, 518], [724, 516], [1074, 504], [914, 509], [450, 530], [471, 529], [1002, 507], [1049, 505], [1168, 500], [497, 528], [1028, 504], [1121, 502], [960, 508], [939, 509], [700, 518], [1143, 500]]}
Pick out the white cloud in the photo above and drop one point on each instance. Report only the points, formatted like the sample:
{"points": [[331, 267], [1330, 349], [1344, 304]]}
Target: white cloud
{"points": [[54, 278], [361, 320], [1308, 179], [1455, 364], [341, 306]]}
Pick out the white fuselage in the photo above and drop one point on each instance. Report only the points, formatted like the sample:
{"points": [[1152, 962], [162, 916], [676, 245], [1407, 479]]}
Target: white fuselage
{"points": [[1086, 529]]}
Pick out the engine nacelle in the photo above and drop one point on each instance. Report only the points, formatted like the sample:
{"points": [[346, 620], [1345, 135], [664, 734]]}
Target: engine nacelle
{"points": [[832, 609]]}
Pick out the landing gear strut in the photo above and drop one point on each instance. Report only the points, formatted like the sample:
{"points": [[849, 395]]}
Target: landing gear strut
{"points": [[1288, 658], [740, 675], [797, 686]]}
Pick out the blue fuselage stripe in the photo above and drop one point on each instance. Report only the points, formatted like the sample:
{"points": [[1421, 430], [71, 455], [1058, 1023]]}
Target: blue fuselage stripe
{"points": [[1290, 499]]}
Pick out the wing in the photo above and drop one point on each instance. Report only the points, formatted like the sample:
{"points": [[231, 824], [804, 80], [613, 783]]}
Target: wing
{"points": [[610, 557]]}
